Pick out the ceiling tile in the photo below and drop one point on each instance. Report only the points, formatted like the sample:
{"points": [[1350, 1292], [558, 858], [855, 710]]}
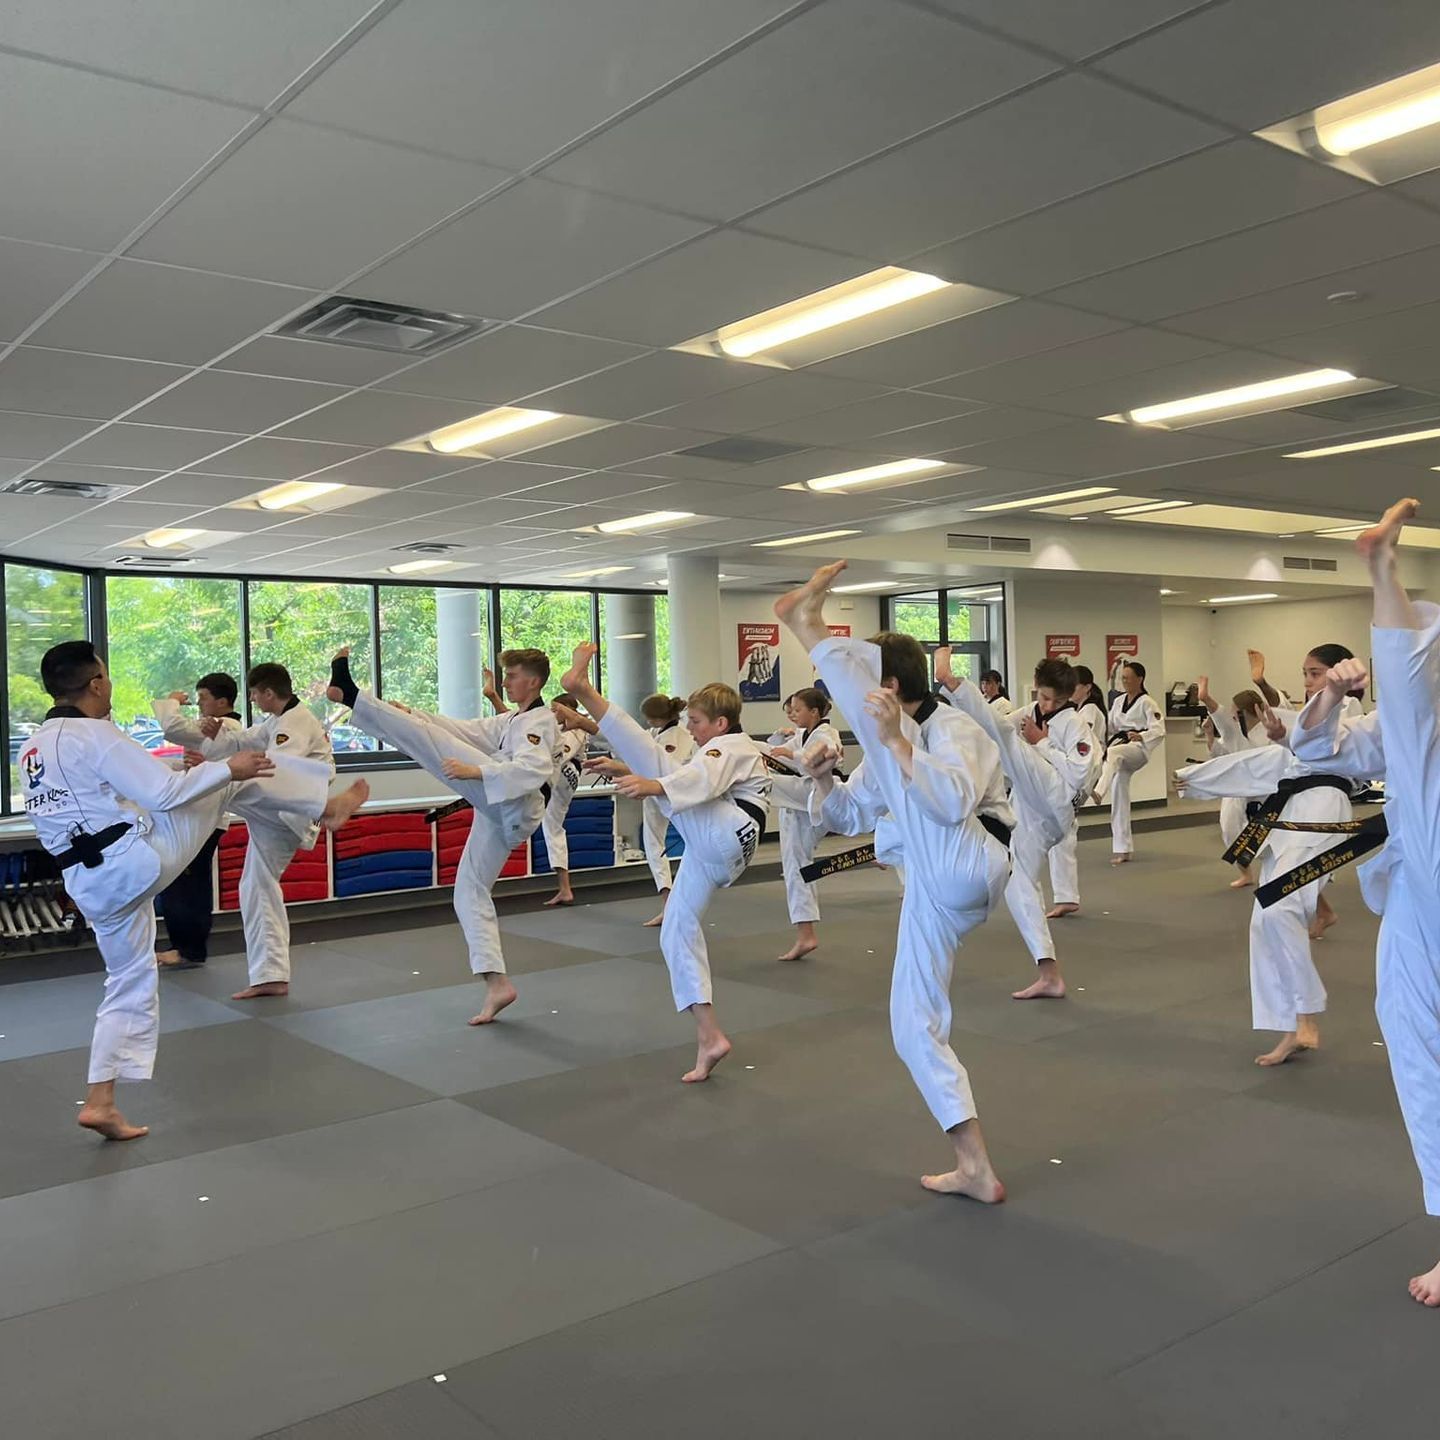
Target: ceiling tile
{"points": [[158, 312], [529, 246], [1255, 62], [1074, 30], [288, 359], [391, 469], [271, 459], [515, 82], [598, 487], [332, 203], [376, 417], [1000, 423], [780, 395], [91, 386], [99, 154], [838, 83], [147, 447], [1367, 341], [32, 278], [617, 445], [33, 437], [867, 419], [1092, 448], [713, 281], [1198, 197], [499, 477], [652, 382], [193, 488], [216, 399], [1059, 139]]}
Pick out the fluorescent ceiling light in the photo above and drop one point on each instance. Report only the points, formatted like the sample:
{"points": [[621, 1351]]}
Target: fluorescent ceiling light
{"points": [[1044, 499], [866, 585], [492, 425], [1169, 592], [593, 574], [653, 520], [1148, 506], [1342, 530], [803, 539], [825, 309], [295, 492], [1383, 112], [1241, 396], [873, 474], [1410, 437], [168, 539], [1240, 599], [414, 567]]}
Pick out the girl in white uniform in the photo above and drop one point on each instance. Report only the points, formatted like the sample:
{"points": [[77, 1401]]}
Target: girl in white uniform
{"points": [[992, 687], [569, 760], [937, 776], [1137, 729], [122, 825], [807, 710], [717, 801], [1237, 727], [662, 713], [1065, 857]]}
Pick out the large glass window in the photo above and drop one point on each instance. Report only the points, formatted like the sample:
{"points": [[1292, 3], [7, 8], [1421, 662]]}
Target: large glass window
{"points": [[300, 625], [42, 608], [165, 632], [555, 621], [969, 619], [634, 645], [434, 647], [918, 615]]}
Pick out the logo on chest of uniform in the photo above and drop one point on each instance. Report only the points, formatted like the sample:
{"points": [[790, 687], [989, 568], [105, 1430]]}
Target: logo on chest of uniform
{"points": [[33, 767]]}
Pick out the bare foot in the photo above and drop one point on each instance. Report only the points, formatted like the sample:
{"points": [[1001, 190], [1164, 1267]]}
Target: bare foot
{"points": [[167, 958], [560, 899], [339, 810], [655, 922], [1306, 1036], [499, 993], [800, 949], [987, 1189], [577, 677], [1242, 881], [708, 1054], [261, 992], [107, 1121], [1049, 984], [1387, 532], [1426, 1288], [1322, 923], [809, 597], [1122, 859], [1061, 909]]}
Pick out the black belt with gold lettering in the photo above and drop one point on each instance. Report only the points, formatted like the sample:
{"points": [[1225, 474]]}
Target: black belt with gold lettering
{"points": [[837, 864], [1362, 836], [1267, 815]]}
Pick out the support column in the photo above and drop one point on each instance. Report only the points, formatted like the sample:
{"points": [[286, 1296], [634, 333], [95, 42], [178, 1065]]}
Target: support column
{"points": [[695, 656], [459, 627], [629, 649]]}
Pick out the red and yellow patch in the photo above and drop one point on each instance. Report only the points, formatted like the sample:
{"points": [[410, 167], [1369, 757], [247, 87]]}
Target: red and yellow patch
{"points": [[533, 739]]}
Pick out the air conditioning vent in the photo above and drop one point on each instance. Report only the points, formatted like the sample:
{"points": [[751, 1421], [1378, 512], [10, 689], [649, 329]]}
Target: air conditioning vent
{"points": [[64, 489], [743, 450], [374, 325], [154, 562], [1310, 562], [428, 547], [996, 544]]}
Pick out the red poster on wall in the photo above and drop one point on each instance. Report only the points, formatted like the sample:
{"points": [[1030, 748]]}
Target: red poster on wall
{"points": [[1118, 648], [843, 631], [759, 669], [1059, 647]]}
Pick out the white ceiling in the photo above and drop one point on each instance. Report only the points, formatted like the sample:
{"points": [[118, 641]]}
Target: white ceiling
{"points": [[599, 181]]}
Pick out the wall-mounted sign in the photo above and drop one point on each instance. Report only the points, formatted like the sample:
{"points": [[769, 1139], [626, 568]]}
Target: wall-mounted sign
{"points": [[759, 669], [1058, 647]]}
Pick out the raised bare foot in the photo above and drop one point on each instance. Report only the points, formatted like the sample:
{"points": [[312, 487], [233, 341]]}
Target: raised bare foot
{"points": [[800, 949], [577, 677], [1124, 859], [810, 596], [261, 992], [1426, 1288], [982, 1185], [1062, 908], [1386, 533], [343, 806], [1242, 881], [107, 1121], [1049, 984], [560, 899], [708, 1054], [499, 993]]}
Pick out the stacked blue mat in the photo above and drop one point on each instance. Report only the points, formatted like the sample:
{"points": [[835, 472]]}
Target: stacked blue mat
{"points": [[388, 851], [590, 831]]}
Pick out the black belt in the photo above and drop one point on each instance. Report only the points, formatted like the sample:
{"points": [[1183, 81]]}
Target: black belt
{"points": [[1266, 816], [1363, 836], [998, 828], [88, 850], [837, 864], [753, 811], [545, 792]]}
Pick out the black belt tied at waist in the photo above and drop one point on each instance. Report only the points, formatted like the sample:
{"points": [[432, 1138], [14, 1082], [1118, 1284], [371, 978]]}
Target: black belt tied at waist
{"points": [[753, 811], [1265, 816], [88, 850], [998, 828]]}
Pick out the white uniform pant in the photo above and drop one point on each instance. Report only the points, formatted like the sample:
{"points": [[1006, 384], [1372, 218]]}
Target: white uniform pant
{"points": [[1065, 867], [720, 840], [797, 849], [495, 831], [954, 876], [1023, 895], [268, 853], [1232, 819], [127, 1024], [1284, 982], [1407, 990], [656, 826], [552, 823], [1121, 763]]}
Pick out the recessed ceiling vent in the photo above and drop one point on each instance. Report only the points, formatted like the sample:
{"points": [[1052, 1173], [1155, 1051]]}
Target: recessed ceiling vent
{"points": [[154, 562], [1007, 544], [1310, 562], [1373, 404], [64, 489], [428, 547], [374, 325], [743, 450]]}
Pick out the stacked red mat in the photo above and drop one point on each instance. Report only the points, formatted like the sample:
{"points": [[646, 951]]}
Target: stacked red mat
{"points": [[453, 831], [307, 877], [391, 850]]}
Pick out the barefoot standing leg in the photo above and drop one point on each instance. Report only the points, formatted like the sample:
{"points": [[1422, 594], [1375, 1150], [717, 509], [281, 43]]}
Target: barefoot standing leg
{"points": [[499, 994], [712, 1045], [973, 1176], [101, 1114]]}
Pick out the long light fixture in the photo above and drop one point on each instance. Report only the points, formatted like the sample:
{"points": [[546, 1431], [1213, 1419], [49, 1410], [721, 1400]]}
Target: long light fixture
{"points": [[295, 492], [803, 539], [873, 474], [414, 567], [1044, 499], [1410, 437], [1240, 599], [653, 520], [825, 309], [1238, 397], [1148, 506], [492, 425], [864, 585], [1338, 531], [596, 573], [168, 539], [1383, 112]]}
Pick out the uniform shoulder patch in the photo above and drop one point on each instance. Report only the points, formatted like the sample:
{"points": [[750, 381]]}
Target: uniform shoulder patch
{"points": [[533, 739], [669, 749], [281, 739], [714, 754], [1082, 748]]}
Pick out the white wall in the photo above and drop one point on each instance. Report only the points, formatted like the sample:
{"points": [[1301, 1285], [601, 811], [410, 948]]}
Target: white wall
{"points": [[1187, 637]]}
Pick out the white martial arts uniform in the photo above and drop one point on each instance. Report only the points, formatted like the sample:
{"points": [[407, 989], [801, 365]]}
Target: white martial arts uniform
{"points": [[1001, 706], [1232, 739], [1122, 759], [798, 831], [717, 801], [676, 741], [955, 870], [570, 757], [1284, 982], [1401, 741], [1065, 857], [185, 730], [272, 843], [82, 775], [516, 753]]}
